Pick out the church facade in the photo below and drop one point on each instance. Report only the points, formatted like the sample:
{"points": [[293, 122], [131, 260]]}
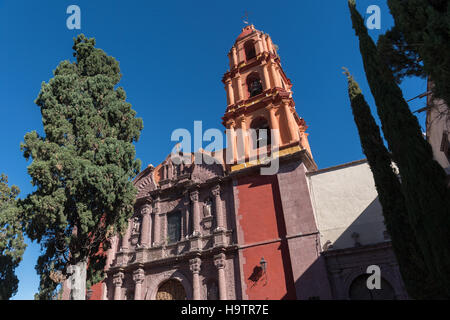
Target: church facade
{"points": [[225, 231]]}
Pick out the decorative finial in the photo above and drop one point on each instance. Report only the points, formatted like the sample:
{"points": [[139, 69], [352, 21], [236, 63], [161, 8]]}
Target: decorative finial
{"points": [[245, 17]]}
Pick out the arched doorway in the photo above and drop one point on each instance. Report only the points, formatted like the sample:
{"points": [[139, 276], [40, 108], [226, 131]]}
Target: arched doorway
{"points": [[171, 290], [359, 291]]}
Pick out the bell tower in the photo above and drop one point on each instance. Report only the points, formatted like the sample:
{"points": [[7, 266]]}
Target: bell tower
{"points": [[259, 96]]}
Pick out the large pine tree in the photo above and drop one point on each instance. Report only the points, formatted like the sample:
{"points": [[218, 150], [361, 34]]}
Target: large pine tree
{"points": [[425, 28], [12, 245], [420, 284], [82, 167], [424, 187]]}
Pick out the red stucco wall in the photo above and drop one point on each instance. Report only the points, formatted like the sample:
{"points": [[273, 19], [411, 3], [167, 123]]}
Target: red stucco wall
{"points": [[96, 291], [260, 219]]}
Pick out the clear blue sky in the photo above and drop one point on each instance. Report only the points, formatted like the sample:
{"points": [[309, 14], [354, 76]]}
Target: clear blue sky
{"points": [[173, 55]]}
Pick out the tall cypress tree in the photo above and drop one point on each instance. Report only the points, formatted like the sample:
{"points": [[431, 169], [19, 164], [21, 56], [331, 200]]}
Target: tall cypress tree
{"points": [[425, 26], [83, 166], [420, 284], [427, 197], [12, 245]]}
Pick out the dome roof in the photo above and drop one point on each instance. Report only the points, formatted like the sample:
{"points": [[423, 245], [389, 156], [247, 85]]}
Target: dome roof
{"points": [[246, 31]]}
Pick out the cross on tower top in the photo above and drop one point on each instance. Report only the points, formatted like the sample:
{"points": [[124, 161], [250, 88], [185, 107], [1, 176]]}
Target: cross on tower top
{"points": [[245, 17]]}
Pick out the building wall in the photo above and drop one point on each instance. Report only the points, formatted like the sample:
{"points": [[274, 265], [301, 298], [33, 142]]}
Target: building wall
{"points": [[275, 220], [438, 123], [352, 232], [346, 265], [346, 202], [308, 268], [97, 290], [287, 219], [260, 227]]}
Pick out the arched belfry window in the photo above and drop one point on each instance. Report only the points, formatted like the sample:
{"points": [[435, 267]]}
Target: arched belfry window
{"points": [[254, 85], [263, 136], [250, 51]]}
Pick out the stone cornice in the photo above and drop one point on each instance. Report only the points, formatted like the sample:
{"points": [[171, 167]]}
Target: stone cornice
{"points": [[302, 155], [360, 249], [261, 59], [273, 95], [170, 261], [176, 191]]}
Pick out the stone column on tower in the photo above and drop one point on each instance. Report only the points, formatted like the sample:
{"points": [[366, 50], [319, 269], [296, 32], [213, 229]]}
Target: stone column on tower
{"points": [[259, 46], [266, 76], [275, 74], [234, 58], [219, 262], [138, 278], [243, 146], [196, 213], [231, 136], [239, 87], [117, 281], [230, 93], [269, 44], [290, 120], [194, 265], [264, 42], [274, 126]]}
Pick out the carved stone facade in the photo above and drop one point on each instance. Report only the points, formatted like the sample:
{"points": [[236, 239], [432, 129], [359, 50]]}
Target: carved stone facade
{"points": [[202, 195]]}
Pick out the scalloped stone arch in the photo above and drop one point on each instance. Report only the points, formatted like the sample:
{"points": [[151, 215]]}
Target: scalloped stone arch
{"points": [[353, 274], [158, 280]]}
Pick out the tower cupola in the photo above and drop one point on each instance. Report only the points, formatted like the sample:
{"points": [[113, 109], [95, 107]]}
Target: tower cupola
{"points": [[260, 94]]}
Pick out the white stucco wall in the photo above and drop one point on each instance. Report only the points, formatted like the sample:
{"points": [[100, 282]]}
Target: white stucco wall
{"points": [[345, 201], [438, 122]]}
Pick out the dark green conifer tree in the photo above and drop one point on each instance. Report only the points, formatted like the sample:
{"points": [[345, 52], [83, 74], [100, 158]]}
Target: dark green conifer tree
{"points": [[399, 56], [82, 167], [424, 187], [420, 284], [425, 27], [12, 245]]}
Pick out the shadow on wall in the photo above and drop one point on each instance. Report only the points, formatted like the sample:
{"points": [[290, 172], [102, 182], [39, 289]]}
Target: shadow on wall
{"points": [[362, 243], [367, 228]]}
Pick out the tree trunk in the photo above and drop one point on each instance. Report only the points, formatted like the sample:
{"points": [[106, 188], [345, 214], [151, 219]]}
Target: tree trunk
{"points": [[77, 281]]}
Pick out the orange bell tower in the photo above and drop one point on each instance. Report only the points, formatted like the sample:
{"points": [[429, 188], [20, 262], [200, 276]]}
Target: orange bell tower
{"points": [[259, 96]]}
